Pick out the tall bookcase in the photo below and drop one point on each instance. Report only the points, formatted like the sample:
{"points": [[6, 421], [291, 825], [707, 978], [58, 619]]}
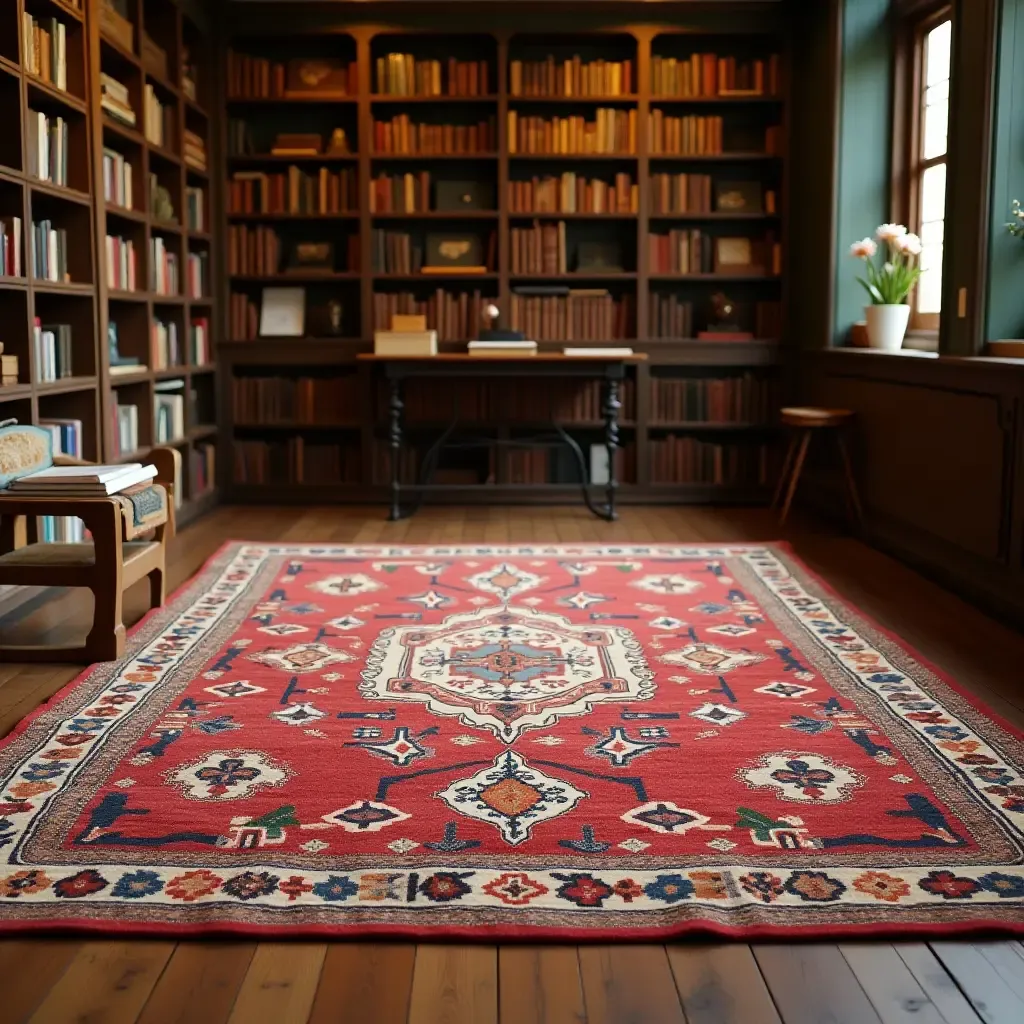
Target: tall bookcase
{"points": [[147, 54], [291, 403], [85, 391], [68, 208]]}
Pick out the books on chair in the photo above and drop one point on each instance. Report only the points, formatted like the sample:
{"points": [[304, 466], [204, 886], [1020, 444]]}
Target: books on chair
{"points": [[81, 481]]}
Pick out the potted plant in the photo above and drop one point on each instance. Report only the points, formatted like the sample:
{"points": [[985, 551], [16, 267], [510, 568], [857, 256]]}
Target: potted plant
{"points": [[889, 283]]}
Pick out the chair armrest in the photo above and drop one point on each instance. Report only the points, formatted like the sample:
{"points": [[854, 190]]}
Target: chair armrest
{"points": [[168, 473]]}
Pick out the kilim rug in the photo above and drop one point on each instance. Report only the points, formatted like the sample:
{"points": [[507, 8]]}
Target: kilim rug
{"points": [[512, 742]]}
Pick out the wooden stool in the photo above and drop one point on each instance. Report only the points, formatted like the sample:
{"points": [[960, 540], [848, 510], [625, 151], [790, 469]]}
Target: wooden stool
{"points": [[805, 421]]}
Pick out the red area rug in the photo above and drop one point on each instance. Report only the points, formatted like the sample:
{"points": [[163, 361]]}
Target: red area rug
{"points": [[548, 743]]}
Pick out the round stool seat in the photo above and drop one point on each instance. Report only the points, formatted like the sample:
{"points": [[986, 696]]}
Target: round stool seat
{"points": [[808, 416]]}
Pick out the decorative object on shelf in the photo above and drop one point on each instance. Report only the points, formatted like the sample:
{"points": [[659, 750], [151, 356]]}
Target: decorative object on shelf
{"points": [[337, 145], [454, 253], [283, 313], [604, 257], [322, 78], [724, 318], [736, 256], [888, 285], [335, 310], [453, 196], [739, 197], [114, 357], [311, 258], [160, 202], [8, 368], [297, 144], [189, 75]]}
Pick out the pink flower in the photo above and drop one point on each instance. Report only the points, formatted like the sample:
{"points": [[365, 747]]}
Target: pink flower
{"points": [[890, 233], [864, 249], [909, 245]]}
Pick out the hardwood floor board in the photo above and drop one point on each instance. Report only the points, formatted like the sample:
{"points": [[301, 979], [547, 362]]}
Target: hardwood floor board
{"points": [[629, 985], [368, 982], [540, 985], [105, 983], [29, 970], [455, 985], [280, 984], [891, 986], [721, 985], [936, 982], [199, 984], [813, 984], [981, 982]]}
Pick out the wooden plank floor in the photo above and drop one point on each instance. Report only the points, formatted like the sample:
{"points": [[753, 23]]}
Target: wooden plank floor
{"points": [[51, 981]]}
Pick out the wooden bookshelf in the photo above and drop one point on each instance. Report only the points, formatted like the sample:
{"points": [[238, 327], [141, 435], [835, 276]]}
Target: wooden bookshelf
{"points": [[169, 50], [753, 133], [67, 204]]}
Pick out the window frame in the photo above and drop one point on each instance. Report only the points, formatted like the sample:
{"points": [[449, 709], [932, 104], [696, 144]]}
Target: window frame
{"points": [[917, 18]]}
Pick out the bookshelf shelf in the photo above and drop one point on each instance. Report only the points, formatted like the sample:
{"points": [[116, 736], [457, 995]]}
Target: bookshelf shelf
{"points": [[163, 154], [123, 131], [626, 303], [114, 47], [195, 108], [312, 101], [66, 386], [43, 90], [64, 10], [44, 287], [63, 192], [123, 213]]}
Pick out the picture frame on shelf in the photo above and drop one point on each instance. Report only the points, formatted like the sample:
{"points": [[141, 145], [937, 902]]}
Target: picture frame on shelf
{"points": [[283, 313], [739, 197]]}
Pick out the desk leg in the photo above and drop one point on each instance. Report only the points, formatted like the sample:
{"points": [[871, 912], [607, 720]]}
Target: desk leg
{"points": [[395, 407], [612, 405]]}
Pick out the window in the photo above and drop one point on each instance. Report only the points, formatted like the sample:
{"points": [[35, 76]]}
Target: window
{"points": [[923, 199]]}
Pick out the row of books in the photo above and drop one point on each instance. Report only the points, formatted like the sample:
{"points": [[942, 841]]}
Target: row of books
{"points": [[305, 401], [158, 119], [164, 344], [455, 316], [125, 421], [10, 246], [202, 469], [195, 208], [117, 179], [294, 192], [572, 193], [401, 74], [120, 263], [259, 78], [49, 252], [571, 314], [193, 150], [401, 193], [686, 460], [672, 318], [115, 100], [243, 317], [681, 193], [570, 77], [47, 147], [493, 401], [45, 49], [200, 342], [295, 461], [66, 436], [52, 350], [690, 135], [168, 411], [708, 75], [62, 530], [402, 135], [394, 252], [164, 268], [253, 250], [558, 465], [611, 131], [197, 274], [540, 249], [741, 399]]}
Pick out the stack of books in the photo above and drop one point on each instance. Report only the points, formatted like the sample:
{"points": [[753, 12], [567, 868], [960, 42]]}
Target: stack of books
{"points": [[502, 348], [199, 337], [81, 481], [169, 410], [45, 45], [408, 337], [156, 120], [49, 252], [195, 209], [47, 147], [117, 179], [126, 423], [66, 436], [194, 150], [164, 344], [10, 246], [115, 101]]}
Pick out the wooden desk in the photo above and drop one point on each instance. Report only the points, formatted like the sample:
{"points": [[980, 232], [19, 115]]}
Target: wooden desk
{"points": [[611, 370]]}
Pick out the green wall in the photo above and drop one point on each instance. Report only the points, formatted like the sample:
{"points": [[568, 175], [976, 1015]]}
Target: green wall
{"points": [[864, 147]]}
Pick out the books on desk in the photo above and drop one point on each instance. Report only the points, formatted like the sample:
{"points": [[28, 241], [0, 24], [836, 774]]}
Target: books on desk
{"points": [[599, 351], [503, 348], [81, 481], [408, 337]]}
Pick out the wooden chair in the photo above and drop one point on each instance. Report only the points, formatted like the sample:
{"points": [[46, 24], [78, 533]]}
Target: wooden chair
{"points": [[804, 423], [121, 552]]}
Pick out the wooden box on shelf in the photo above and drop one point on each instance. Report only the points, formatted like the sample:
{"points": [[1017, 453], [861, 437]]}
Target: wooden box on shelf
{"points": [[116, 26]]}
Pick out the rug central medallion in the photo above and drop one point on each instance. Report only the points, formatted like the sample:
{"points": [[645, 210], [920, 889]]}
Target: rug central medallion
{"points": [[507, 669]]}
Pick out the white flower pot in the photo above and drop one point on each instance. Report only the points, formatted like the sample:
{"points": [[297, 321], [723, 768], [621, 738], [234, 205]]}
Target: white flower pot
{"points": [[887, 326]]}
